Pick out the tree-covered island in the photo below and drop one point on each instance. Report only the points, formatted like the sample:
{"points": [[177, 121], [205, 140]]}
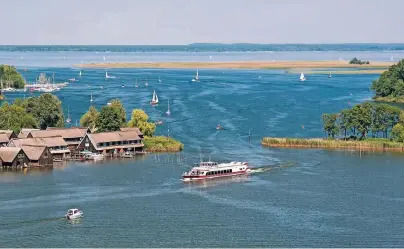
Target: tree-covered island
{"points": [[389, 87]]}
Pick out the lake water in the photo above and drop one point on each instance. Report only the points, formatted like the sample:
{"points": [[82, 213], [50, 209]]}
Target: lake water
{"points": [[306, 198]]}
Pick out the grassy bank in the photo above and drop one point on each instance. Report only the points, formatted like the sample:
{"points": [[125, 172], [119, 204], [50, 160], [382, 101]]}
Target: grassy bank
{"points": [[364, 145], [239, 64], [390, 99], [162, 144]]}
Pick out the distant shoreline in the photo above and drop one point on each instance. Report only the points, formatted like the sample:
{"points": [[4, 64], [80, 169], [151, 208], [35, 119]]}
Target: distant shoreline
{"points": [[239, 65]]}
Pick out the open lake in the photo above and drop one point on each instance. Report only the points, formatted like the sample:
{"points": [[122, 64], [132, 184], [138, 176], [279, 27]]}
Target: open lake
{"points": [[299, 198]]}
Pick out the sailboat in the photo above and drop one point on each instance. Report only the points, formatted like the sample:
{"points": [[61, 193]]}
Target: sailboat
{"points": [[155, 99], [68, 120], [329, 76], [196, 77], [136, 85], [91, 99], [168, 112], [80, 73], [302, 78], [146, 84], [108, 76], [159, 80]]}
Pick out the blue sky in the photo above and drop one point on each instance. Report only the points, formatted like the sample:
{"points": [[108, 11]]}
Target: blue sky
{"points": [[189, 21]]}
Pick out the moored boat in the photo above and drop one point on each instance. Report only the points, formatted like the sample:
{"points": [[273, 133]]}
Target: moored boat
{"points": [[209, 170], [73, 213]]}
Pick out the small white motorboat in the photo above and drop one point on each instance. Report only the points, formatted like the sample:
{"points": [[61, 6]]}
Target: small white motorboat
{"points": [[73, 214], [95, 156]]}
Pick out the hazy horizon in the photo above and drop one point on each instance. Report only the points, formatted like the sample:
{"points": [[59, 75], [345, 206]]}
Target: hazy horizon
{"points": [[184, 22]]}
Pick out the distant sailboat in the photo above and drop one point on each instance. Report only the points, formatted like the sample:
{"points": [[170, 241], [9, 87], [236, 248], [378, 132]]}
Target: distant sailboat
{"points": [[329, 76], [168, 112], [302, 78], [196, 76], [108, 76], [68, 120], [146, 84], [80, 73], [155, 98], [136, 85], [159, 80], [91, 99]]}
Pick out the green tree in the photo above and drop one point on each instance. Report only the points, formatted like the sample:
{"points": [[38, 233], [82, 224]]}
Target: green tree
{"points": [[140, 119], [108, 120], [397, 133], [346, 121], [47, 109], [15, 118], [330, 126], [363, 114], [390, 82], [401, 118], [89, 119], [10, 77], [118, 107]]}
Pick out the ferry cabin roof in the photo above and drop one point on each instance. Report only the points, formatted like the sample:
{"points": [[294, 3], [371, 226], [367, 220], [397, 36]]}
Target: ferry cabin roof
{"points": [[104, 141]]}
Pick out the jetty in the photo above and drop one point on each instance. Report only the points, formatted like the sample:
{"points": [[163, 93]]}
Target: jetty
{"points": [[337, 144]]}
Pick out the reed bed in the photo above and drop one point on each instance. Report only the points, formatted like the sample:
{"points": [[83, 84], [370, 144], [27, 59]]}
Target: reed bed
{"points": [[364, 145], [162, 144]]}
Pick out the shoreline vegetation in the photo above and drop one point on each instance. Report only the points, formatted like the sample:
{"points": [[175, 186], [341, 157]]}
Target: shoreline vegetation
{"points": [[380, 145], [389, 87], [239, 64], [162, 144]]}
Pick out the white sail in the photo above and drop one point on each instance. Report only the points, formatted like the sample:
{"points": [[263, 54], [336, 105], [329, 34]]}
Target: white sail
{"points": [[154, 97], [168, 110], [80, 73], [302, 77], [91, 100], [106, 74], [197, 75], [157, 99]]}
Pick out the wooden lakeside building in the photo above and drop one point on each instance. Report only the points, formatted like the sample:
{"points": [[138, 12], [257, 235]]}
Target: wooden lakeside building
{"points": [[6, 136], [56, 145], [12, 157], [113, 143]]}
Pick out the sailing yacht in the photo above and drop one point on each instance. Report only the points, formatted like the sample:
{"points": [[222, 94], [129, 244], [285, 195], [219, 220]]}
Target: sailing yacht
{"points": [[108, 76], [80, 73], [136, 85], [196, 77], [68, 120], [168, 112], [329, 76], [91, 99], [302, 78], [159, 80], [155, 99]]}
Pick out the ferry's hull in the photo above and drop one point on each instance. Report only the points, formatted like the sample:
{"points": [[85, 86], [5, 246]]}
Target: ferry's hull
{"points": [[189, 178]]}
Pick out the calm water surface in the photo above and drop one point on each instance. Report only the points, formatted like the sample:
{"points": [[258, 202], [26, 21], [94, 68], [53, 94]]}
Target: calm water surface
{"points": [[311, 198]]}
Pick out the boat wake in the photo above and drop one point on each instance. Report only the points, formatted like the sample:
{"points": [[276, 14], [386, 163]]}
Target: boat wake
{"points": [[255, 170], [34, 221]]}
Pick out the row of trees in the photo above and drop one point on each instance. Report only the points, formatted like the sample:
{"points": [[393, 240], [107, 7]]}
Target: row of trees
{"points": [[35, 112], [112, 117], [365, 120], [358, 62], [10, 77], [390, 82]]}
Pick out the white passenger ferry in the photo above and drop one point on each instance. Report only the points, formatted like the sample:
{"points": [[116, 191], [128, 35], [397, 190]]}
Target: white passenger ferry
{"points": [[208, 170]]}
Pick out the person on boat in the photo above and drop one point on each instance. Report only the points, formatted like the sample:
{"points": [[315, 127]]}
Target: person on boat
{"points": [[218, 127]]}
